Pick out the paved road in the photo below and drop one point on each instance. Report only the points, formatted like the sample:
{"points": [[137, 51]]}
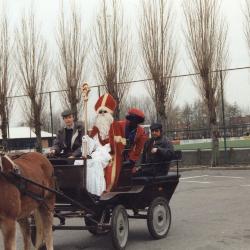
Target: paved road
{"points": [[210, 211]]}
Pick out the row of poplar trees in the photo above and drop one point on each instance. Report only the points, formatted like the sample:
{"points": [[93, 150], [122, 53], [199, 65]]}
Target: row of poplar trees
{"points": [[204, 29]]}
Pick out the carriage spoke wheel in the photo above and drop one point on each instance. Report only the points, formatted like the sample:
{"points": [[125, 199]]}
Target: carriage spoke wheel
{"points": [[119, 227], [95, 231], [159, 218]]}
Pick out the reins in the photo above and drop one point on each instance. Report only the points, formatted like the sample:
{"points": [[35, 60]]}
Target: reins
{"points": [[26, 180]]}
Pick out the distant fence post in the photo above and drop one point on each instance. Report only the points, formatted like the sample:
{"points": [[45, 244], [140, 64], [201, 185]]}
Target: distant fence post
{"points": [[99, 90], [8, 124], [30, 125], [223, 117], [51, 115]]}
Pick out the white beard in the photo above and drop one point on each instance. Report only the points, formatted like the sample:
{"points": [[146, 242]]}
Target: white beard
{"points": [[103, 122]]}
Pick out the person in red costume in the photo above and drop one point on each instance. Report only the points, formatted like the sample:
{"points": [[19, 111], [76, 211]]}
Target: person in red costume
{"points": [[127, 139], [104, 107]]}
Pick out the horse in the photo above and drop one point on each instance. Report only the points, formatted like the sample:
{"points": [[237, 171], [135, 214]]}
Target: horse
{"points": [[17, 203]]}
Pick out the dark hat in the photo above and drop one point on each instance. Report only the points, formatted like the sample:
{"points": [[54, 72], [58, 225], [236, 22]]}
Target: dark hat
{"points": [[66, 113], [155, 126], [135, 115]]}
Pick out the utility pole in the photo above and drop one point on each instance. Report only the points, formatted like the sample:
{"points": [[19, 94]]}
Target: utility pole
{"points": [[223, 117], [51, 115]]}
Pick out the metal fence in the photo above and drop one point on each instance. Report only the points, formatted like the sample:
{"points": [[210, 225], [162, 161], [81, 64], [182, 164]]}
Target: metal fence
{"points": [[54, 107], [204, 133]]}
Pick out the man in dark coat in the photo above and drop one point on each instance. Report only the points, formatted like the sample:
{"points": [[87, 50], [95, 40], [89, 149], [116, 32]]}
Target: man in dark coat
{"points": [[157, 152], [68, 140]]}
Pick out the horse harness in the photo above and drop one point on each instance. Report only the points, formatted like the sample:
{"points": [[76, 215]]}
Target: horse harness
{"points": [[20, 182]]}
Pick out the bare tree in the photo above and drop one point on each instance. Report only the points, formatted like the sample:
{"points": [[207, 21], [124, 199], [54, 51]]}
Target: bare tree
{"points": [[231, 110], [200, 115], [32, 66], [247, 22], [187, 118], [56, 120], [6, 83], [206, 34], [159, 54], [72, 44], [113, 54], [174, 117]]}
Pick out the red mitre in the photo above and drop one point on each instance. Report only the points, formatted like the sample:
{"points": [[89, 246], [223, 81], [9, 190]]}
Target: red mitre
{"points": [[106, 102]]}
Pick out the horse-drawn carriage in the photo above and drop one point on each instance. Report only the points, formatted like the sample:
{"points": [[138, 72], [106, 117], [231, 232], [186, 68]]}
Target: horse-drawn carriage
{"points": [[135, 197], [140, 197]]}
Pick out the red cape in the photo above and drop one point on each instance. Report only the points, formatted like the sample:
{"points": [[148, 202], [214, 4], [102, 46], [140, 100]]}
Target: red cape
{"points": [[117, 143]]}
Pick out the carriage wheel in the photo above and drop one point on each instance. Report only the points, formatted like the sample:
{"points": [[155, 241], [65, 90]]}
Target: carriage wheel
{"points": [[96, 231], [33, 234], [119, 227], [159, 218], [89, 223]]}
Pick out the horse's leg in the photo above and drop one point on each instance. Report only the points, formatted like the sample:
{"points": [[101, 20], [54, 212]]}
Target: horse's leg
{"points": [[25, 229], [47, 218], [39, 229], [8, 227]]}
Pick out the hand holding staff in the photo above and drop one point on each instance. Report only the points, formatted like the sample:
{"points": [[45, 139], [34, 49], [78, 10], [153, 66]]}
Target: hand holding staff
{"points": [[85, 92]]}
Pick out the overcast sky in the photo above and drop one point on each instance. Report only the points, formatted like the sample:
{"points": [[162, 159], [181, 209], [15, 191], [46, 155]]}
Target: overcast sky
{"points": [[237, 86]]}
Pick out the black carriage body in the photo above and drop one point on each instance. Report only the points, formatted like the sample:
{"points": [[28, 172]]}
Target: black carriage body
{"points": [[69, 178], [146, 197], [135, 193], [143, 191], [151, 194]]}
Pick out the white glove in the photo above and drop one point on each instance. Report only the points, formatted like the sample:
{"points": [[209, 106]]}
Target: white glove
{"points": [[154, 150], [88, 145], [51, 153]]}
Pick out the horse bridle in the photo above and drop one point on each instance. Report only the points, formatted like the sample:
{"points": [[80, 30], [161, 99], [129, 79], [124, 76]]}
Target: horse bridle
{"points": [[14, 166]]}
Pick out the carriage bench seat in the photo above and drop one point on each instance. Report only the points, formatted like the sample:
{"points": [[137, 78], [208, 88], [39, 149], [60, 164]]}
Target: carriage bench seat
{"points": [[142, 180]]}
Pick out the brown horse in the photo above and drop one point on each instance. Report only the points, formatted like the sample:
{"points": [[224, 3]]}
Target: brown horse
{"points": [[16, 205]]}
